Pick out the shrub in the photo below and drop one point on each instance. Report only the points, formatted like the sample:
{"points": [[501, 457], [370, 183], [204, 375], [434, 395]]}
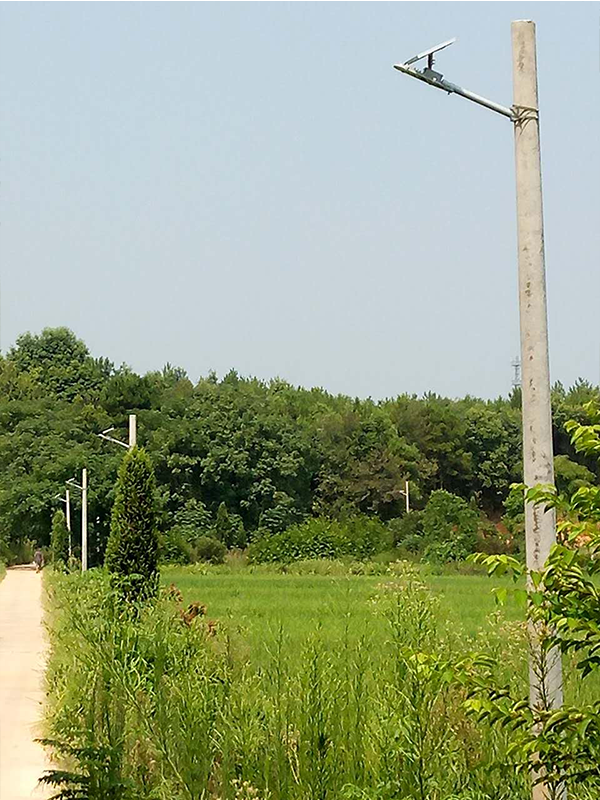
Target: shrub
{"points": [[208, 549], [558, 743], [132, 550], [19, 552], [360, 537], [59, 539], [229, 528], [449, 527], [174, 547], [407, 531]]}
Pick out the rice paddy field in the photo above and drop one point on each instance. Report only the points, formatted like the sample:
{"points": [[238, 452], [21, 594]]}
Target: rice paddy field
{"points": [[257, 603], [257, 606]]}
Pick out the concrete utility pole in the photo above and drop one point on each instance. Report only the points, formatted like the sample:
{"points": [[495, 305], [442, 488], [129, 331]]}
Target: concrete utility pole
{"points": [[545, 671], [545, 674], [84, 542], [68, 506], [132, 434], [132, 431]]}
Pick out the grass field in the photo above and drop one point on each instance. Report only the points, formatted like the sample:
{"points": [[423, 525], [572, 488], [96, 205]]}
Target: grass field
{"points": [[318, 685], [256, 604]]}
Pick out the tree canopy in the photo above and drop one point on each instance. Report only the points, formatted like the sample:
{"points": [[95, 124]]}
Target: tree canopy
{"points": [[269, 454]]}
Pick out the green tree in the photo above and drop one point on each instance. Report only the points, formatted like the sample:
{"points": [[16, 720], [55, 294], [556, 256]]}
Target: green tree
{"points": [[449, 527], [364, 464], [493, 439], [193, 519], [132, 550], [59, 539], [229, 528], [570, 476], [561, 746], [60, 362], [437, 427]]}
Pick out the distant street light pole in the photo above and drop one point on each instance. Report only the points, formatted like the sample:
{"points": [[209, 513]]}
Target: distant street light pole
{"points": [[67, 501], [132, 434], [84, 543], [538, 466], [406, 494]]}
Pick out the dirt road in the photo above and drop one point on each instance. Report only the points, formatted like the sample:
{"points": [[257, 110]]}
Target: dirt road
{"points": [[22, 651]]}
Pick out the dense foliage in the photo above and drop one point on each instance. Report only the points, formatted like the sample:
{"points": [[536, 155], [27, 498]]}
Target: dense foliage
{"points": [[238, 458], [359, 537], [561, 746], [132, 550], [60, 539]]}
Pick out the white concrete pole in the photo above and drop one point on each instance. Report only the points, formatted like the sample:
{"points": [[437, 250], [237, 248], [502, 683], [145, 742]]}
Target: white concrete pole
{"points": [[68, 504], [84, 542], [132, 431], [407, 496], [538, 466]]}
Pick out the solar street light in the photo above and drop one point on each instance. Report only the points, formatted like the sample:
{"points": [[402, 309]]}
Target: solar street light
{"points": [[545, 685]]}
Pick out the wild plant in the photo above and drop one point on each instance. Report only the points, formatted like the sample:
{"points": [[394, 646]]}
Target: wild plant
{"points": [[185, 715]]}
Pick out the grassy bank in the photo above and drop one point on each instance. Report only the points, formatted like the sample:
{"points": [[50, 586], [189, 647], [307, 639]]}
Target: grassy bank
{"points": [[310, 686]]}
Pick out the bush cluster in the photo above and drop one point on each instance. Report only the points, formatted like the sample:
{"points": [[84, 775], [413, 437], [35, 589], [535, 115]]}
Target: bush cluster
{"points": [[447, 530], [360, 537]]}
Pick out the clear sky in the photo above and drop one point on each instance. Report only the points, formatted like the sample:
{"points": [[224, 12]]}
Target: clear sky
{"points": [[253, 186]]}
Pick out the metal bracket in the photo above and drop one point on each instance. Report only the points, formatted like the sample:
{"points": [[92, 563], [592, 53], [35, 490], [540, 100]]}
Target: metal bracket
{"points": [[111, 439], [436, 79]]}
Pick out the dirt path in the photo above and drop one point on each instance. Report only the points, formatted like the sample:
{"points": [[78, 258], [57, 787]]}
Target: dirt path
{"points": [[22, 650]]}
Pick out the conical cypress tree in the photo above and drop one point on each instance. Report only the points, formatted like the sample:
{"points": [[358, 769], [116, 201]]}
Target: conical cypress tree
{"points": [[59, 540], [132, 549], [223, 527]]}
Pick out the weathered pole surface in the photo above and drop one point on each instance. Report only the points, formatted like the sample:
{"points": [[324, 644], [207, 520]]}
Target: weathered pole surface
{"points": [[132, 431], [538, 466], [84, 541], [68, 504]]}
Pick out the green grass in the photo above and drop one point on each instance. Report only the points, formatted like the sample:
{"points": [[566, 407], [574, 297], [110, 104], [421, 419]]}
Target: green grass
{"points": [[2, 570], [255, 605], [367, 709]]}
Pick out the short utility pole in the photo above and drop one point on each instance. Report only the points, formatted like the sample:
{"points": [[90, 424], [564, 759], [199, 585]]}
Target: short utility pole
{"points": [[406, 494], [132, 434], [545, 674], [84, 539], [67, 501]]}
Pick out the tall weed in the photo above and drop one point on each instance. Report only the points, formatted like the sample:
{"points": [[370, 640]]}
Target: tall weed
{"points": [[166, 706]]}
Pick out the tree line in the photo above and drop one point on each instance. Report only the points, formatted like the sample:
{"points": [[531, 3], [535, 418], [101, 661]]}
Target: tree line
{"points": [[238, 457]]}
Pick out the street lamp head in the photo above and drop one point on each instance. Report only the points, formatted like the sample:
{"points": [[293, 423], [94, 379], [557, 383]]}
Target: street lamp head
{"points": [[436, 79], [108, 430], [428, 54]]}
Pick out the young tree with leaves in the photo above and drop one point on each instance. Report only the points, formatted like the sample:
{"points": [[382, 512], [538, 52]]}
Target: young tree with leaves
{"points": [[561, 747]]}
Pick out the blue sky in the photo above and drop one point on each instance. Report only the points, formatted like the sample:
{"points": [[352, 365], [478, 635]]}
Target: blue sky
{"points": [[252, 186]]}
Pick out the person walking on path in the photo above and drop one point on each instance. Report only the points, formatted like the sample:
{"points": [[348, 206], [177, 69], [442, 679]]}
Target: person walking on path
{"points": [[22, 661], [38, 560]]}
